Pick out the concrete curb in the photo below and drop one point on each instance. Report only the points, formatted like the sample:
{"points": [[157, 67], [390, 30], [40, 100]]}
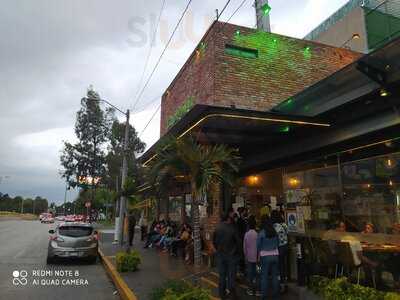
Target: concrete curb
{"points": [[124, 291]]}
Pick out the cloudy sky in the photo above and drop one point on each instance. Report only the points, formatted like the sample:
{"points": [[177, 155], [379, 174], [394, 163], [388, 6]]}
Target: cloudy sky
{"points": [[52, 50]]}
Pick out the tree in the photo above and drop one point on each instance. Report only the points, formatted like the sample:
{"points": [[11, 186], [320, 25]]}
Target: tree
{"points": [[116, 151], [203, 164], [87, 158]]}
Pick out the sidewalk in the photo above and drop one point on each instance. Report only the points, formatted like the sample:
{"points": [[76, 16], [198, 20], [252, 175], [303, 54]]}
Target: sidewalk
{"points": [[157, 267]]}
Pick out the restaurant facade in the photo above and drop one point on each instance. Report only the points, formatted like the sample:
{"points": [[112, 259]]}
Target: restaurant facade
{"points": [[317, 128]]}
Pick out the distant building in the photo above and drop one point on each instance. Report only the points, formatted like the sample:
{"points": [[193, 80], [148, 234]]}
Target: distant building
{"points": [[360, 25]]}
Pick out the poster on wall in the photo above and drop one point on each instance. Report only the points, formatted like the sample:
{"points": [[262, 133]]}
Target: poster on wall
{"points": [[273, 203], [292, 220], [203, 211], [301, 226], [295, 196]]}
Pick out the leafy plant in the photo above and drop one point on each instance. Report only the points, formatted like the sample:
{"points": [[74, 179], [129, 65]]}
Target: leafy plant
{"points": [[204, 165], [179, 290], [342, 289], [128, 262]]}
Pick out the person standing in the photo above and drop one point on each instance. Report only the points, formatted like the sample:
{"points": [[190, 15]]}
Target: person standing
{"points": [[131, 227], [267, 248], [250, 254], [241, 224], [227, 244], [282, 231]]}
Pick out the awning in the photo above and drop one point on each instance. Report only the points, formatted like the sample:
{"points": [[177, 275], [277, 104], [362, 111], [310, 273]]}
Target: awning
{"points": [[244, 129]]}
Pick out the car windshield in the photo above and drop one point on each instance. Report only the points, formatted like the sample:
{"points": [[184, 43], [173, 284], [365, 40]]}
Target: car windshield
{"points": [[75, 231]]}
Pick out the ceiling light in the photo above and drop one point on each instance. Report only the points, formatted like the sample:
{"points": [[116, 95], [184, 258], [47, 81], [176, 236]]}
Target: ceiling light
{"points": [[383, 93]]}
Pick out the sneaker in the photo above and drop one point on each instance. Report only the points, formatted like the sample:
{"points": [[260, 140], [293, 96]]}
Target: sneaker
{"points": [[250, 292]]}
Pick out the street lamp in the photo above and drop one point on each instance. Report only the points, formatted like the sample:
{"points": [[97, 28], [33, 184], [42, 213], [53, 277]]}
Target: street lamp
{"points": [[122, 207], [355, 36]]}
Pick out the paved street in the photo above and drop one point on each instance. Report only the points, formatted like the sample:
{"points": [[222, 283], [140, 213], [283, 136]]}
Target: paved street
{"points": [[23, 247]]}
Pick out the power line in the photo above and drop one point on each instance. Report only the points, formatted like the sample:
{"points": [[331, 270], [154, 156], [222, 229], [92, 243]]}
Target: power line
{"points": [[146, 105], [162, 54], [223, 9], [151, 119], [151, 47], [234, 13]]}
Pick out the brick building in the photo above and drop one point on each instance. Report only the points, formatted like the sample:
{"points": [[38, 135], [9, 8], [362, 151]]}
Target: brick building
{"points": [[241, 69], [235, 66]]}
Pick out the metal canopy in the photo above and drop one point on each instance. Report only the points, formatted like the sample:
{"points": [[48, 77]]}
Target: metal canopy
{"points": [[244, 129], [371, 72]]}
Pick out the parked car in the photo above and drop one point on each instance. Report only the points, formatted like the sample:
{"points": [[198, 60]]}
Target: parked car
{"points": [[79, 218], [73, 240], [44, 215], [60, 218], [48, 219], [70, 218]]}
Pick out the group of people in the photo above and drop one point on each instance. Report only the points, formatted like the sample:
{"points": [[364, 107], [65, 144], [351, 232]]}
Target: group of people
{"points": [[264, 252], [166, 236], [372, 262]]}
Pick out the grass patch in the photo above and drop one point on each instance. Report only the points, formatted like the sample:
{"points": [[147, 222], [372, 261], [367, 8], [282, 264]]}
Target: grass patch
{"points": [[179, 290]]}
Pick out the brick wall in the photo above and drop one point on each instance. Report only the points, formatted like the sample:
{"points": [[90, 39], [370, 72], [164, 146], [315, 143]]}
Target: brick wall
{"points": [[282, 69], [195, 80]]}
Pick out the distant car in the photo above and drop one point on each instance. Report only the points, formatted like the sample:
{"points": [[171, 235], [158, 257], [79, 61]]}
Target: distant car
{"points": [[44, 215], [60, 218], [79, 218], [73, 240], [47, 219], [70, 218]]}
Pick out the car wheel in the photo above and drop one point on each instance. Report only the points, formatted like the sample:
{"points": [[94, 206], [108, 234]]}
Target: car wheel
{"points": [[92, 259], [50, 260]]}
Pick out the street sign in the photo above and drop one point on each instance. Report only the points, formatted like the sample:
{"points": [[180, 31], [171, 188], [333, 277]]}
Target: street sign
{"points": [[87, 204]]}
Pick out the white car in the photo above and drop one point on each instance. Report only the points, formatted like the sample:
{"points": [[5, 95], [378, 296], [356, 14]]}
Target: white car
{"points": [[48, 219], [60, 218]]}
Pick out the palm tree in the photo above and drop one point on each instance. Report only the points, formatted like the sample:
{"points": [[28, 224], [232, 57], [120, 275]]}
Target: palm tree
{"points": [[204, 165]]}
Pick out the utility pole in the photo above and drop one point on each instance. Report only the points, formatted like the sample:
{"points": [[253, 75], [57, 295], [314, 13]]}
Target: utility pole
{"points": [[122, 206], [22, 205], [262, 15], [116, 216], [65, 196]]}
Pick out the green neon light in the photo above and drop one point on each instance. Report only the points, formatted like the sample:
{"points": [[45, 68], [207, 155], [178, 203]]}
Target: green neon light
{"points": [[266, 9], [275, 40], [240, 51], [237, 32], [307, 52], [285, 129]]}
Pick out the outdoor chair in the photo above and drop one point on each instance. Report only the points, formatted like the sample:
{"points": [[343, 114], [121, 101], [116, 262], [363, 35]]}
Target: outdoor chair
{"points": [[326, 254], [346, 259]]}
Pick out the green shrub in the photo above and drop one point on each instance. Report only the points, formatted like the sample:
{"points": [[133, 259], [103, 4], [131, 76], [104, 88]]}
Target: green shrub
{"points": [[392, 296], [179, 290], [342, 289], [128, 262]]}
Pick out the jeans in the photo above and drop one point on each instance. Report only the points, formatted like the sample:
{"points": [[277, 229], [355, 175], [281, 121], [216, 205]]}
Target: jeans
{"points": [[251, 274], [131, 232], [226, 265], [283, 262], [270, 266]]}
